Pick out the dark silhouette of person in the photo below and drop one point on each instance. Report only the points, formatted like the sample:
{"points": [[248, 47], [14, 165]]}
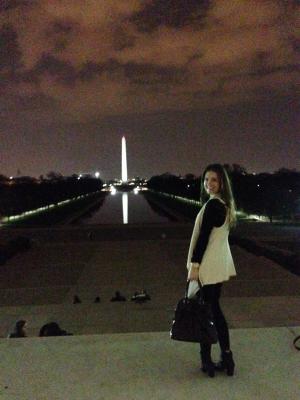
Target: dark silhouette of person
{"points": [[135, 294], [19, 330], [97, 300], [76, 299], [118, 297], [53, 329], [133, 297], [141, 297], [144, 293]]}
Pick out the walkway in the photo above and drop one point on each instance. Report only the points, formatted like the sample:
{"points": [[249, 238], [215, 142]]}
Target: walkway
{"points": [[147, 366], [123, 350]]}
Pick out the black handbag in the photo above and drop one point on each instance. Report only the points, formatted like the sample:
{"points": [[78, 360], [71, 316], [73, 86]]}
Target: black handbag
{"points": [[193, 320]]}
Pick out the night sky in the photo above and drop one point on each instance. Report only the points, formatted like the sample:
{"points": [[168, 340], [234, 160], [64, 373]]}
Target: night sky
{"points": [[188, 82]]}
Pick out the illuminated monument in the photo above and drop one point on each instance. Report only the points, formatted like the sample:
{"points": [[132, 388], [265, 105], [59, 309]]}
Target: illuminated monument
{"points": [[124, 161]]}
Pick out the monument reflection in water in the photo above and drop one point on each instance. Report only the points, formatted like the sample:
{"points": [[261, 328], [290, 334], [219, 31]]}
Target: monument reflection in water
{"points": [[125, 207], [124, 180]]}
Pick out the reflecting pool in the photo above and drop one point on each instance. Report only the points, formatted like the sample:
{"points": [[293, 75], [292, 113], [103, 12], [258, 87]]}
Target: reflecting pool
{"points": [[125, 208]]}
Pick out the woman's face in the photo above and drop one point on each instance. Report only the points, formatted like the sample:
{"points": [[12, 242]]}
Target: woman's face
{"points": [[211, 183]]}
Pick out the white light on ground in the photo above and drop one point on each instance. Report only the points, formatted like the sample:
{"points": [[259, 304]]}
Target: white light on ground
{"points": [[40, 209], [261, 218], [113, 190]]}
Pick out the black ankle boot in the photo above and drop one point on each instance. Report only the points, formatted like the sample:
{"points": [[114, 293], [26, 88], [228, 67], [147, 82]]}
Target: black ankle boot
{"points": [[226, 364], [207, 365]]}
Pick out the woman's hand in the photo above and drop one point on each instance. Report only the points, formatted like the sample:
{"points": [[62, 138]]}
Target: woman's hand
{"points": [[193, 274]]}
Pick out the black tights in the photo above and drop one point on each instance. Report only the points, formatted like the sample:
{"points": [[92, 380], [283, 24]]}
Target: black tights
{"points": [[212, 295]]}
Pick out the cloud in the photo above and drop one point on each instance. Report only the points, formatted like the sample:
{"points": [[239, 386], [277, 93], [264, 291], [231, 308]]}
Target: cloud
{"points": [[170, 13], [133, 73], [62, 70], [10, 54], [7, 5], [102, 58], [164, 47], [93, 12]]}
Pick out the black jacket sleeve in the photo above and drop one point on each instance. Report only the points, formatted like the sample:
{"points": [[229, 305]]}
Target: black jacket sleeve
{"points": [[214, 216]]}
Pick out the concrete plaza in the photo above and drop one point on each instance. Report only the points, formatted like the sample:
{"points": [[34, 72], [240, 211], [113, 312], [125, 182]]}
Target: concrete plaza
{"points": [[123, 350], [147, 366]]}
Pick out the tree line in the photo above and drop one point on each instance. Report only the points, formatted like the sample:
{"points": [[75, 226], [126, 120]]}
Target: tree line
{"points": [[276, 195], [22, 194]]}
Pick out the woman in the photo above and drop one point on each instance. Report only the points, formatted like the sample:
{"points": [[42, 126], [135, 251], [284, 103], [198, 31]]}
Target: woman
{"points": [[210, 260]]}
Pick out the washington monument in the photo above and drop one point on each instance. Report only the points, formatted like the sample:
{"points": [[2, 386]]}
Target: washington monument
{"points": [[124, 160]]}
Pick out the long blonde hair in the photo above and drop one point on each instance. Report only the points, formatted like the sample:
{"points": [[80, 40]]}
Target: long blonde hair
{"points": [[225, 190]]}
